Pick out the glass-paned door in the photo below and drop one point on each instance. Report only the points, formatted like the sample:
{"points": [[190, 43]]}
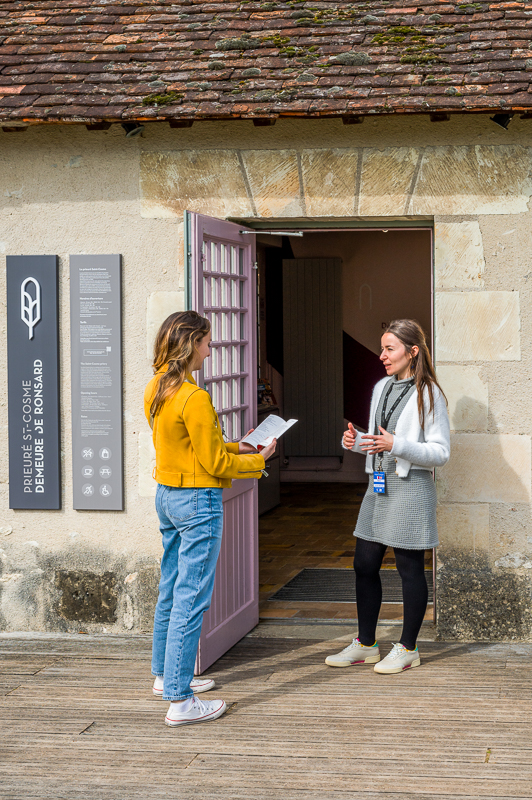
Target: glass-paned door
{"points": [[221, 285]]}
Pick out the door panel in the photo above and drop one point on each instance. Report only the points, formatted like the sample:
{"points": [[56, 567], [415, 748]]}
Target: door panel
{"points": [[221, 285]]}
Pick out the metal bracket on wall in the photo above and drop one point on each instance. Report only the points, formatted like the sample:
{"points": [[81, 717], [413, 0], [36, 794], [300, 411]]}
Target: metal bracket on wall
{"points": [[276, 233]]}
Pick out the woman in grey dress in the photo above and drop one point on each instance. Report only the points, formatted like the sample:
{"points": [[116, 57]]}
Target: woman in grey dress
{"points": [[408, 436]]}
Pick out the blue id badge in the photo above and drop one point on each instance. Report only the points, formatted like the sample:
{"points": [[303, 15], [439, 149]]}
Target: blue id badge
{"points": [[379, 482]]}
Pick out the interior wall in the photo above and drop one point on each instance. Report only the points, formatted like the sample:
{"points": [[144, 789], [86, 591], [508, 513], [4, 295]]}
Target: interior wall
{"points": [[385, 276]]}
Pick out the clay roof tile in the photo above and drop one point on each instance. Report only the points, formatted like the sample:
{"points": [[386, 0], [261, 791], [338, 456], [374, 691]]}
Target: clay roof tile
{"points": [[65, 59]]}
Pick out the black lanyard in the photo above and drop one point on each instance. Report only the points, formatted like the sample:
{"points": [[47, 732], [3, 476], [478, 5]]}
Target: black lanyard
{"points": [[385, 418]]}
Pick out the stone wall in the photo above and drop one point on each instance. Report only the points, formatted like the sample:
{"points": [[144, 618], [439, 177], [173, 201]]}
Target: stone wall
{"points": [[67, 190], [484, 364]]}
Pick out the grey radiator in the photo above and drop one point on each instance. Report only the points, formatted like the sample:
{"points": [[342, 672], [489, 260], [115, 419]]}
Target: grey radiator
{"points": [[313, 371]]}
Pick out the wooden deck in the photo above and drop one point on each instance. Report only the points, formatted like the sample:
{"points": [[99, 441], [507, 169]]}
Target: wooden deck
{"points": [[78, 720]]}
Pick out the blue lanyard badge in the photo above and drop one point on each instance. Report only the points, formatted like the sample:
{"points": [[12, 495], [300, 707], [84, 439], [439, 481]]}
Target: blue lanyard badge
{"points": [[379, 482]]}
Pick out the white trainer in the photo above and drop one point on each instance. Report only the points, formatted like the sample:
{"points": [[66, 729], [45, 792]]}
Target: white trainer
{"points": [[197, 685], [397, 660], [200, 711], [355, 653]]}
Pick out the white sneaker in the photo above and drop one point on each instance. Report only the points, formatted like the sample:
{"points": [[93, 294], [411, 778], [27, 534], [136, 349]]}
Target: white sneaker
{"points": [[355, 653], [197, 685], [200, 711], [397, 660]]}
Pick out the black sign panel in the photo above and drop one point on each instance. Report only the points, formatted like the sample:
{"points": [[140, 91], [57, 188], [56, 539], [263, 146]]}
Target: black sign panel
{"points": [[96, 342], [33, 382]]}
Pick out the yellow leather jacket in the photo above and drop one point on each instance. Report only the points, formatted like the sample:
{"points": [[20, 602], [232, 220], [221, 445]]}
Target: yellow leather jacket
{"points": [[189, 446]]}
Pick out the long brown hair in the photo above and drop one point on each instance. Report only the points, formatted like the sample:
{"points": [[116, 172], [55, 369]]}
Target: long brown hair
{"points": [[175, 345], [410, 334]]}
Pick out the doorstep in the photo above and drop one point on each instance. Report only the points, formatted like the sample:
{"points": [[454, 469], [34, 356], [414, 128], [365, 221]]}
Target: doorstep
{"points": [[329, 629]]}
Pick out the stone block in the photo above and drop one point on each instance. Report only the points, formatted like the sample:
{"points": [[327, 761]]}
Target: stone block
{"points": [[479, 603], [486, 468], [273, 177], [160, 306], [473, 180], [467, 395], [386, 180], [206, 181], [464, 526], [329, 180], [510, 531], [458, 255], [477, 326], [147, 485], [86, 596]]}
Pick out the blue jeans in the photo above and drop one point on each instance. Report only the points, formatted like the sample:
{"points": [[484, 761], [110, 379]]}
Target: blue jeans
{"points": [[191, 522]]}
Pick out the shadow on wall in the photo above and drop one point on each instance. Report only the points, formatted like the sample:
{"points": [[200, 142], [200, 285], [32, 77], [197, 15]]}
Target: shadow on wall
{"points": [[484, 467], [469, 414], [362, 370], [476, 599]]}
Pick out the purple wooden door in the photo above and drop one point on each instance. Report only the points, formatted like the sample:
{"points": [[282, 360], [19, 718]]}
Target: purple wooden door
{"points": [[222, 286]]}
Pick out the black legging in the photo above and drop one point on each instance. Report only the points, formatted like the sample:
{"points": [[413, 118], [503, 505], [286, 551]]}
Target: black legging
{"points": [[411, 568]]}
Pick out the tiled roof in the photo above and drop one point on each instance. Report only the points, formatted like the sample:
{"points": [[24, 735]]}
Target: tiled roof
{"points": [[94, 60]]}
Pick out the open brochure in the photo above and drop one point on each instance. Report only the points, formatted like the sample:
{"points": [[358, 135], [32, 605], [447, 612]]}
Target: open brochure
{"points": [[272, 428]]}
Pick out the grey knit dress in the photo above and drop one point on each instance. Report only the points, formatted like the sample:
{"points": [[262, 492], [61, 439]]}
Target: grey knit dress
{"points": [[405, 516]]}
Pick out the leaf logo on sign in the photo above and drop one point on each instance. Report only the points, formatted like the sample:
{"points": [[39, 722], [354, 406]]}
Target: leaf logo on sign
{"points": [[30, 304]]}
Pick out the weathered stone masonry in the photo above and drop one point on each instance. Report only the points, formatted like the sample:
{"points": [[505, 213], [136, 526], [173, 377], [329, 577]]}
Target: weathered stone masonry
{"points": [[477, 314], [308, 68], [67, 190]]}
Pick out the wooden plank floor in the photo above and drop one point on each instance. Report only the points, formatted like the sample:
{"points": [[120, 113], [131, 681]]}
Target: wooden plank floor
{"points": [[78, 720]]}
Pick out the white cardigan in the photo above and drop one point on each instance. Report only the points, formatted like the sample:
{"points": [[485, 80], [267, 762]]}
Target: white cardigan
{"points": [[413, 446]]}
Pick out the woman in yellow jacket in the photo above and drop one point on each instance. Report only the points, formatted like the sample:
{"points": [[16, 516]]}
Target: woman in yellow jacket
{"points": [[193, 465]]}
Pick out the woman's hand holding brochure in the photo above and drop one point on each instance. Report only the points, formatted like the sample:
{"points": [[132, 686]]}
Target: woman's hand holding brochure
{"points": [[266, 452], [264, 438], [272, 428]]}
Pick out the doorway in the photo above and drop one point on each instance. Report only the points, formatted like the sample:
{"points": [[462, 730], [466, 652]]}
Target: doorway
{"points": [[348, 284]]}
